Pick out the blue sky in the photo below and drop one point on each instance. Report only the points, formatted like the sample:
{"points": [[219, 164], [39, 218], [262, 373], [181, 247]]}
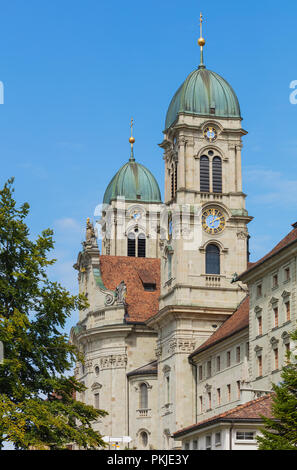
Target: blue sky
{"points": [[74, 73]]}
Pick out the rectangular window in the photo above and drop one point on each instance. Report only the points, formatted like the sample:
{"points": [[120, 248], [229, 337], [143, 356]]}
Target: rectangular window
{"points": [[218, 438], [287, 274], [260, 366], [245, 436], [209, 401], [167, 389], [247, 350], [218, 364], [275, 311], [201, 404], [195, 444], [209, 369], [260, 326], [259, 290], [275, 352], [200, 373], [229, 392], [228, 359], [208, 443], [288, 311], [238, 389], [187, 446], [219, 396], [238, 354], [275, 281], [96, 401]]}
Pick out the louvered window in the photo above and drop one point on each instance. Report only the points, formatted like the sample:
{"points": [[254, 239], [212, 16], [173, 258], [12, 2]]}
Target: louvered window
{"points": [[131, 244], [217, 175], [212, 259], [175, 178], [204, 174], [141, 246]]}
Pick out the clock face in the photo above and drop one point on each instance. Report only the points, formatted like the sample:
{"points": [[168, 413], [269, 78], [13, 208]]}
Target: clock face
{"points": [[210, 134], [136, 215], [213, 221]]}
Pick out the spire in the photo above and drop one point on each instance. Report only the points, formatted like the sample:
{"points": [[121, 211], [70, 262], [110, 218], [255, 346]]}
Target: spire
{"points": [[201, 43], [132, 140]]}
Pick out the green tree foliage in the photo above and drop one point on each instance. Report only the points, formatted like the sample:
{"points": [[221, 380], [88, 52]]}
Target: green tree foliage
{"points": [[280, 433], [37, 405]]}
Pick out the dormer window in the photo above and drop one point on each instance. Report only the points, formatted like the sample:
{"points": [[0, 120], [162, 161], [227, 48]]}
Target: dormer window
{"points": [[149, 287]]}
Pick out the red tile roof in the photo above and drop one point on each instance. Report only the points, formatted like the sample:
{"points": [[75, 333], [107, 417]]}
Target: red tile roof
{"points": [[237, 322], [141, 304], [252, 410], [287, 240]]}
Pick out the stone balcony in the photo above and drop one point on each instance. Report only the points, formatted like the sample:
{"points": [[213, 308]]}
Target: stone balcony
{"points": [[144, 413]]}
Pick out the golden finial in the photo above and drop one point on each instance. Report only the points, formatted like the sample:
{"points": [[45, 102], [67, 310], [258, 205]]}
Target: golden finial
{"points": [[132, 140], [201, 43]]}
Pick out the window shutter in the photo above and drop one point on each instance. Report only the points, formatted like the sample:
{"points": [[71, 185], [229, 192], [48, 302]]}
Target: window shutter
{"points": [[217, 175], [204, 174]]}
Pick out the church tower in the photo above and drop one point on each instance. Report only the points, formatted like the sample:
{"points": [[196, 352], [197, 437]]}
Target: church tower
{"points": [[207, 239], [131, 211]]}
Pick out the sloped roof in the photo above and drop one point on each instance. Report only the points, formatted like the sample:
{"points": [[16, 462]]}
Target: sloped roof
{"points": [[237, 322], [148, 369], [141, 304], [286, 241], [252, 410]]}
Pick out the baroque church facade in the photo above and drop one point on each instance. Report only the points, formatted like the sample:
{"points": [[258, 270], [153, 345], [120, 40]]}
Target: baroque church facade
{"points": [[177, 335]]}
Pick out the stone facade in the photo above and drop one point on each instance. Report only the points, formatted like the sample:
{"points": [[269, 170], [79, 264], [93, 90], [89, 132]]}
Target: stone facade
{"points": [[166, 340]]}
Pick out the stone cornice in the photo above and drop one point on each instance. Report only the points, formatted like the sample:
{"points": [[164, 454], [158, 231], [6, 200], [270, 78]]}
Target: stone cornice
{"points": [[190, 311]]}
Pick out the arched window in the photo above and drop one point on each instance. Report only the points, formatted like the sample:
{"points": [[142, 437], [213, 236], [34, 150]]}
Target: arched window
{"points": [[217, 175], [141, 246], [204, 174], [144, 438], [143, 397], [131, 244], [213, 259]]}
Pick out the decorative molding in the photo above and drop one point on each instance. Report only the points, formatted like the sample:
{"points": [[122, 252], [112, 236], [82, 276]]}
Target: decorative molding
{"points": [[113, 361], [242, 235], [258, 310], [166, 369], [181, 345], [96, 386], [285, 336], [273, 301], [274, 341], [158, 351], [286, 294], [258, 350]]}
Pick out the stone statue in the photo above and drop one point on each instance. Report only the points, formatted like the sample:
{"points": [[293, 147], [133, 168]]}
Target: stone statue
{"points": [[121, 292], [90, 232]]}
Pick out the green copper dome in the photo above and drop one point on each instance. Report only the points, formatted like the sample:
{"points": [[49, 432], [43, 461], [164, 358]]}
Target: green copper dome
{"points": [[134, 182], [204, 93]]}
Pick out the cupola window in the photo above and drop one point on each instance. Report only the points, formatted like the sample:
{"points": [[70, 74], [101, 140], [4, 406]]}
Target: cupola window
{"points": [[136, 245]]}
